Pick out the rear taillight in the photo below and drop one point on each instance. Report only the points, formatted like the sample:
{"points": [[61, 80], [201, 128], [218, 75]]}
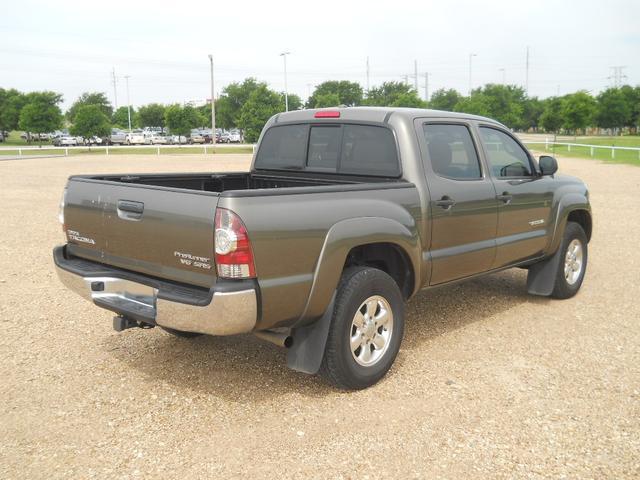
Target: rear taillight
{"points": [[63, 201], [234, 258]]}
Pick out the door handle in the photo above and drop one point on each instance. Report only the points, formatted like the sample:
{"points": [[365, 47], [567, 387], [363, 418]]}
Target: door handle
{"points": [[128, 210], [445, 202], [506, 197]]}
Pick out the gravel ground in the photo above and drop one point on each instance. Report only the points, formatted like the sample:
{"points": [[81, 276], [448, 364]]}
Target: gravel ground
{"points": [[489, 383]]}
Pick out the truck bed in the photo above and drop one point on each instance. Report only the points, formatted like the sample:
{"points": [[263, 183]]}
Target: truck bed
{"points": [[222, 182]]}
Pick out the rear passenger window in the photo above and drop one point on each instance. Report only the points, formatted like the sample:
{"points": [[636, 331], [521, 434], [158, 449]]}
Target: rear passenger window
{"points": [[324, 146], [452, 152], [283, 147], [369, 150]]}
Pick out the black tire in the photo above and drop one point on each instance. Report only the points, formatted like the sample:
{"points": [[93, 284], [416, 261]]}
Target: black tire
{"points": [[339, 366], [180, 333], [562, 287]]}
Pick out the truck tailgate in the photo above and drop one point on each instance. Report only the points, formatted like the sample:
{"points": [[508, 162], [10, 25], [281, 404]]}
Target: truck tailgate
{"points": [[163, 232]]}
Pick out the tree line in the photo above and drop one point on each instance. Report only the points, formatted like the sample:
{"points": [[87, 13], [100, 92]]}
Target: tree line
{"points": [[248, 105]]}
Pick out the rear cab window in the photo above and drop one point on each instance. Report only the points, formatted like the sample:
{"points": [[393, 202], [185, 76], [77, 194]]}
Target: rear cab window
{"points": [[342, 148]]}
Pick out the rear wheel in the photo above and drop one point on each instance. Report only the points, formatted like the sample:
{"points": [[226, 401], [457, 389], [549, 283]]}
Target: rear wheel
{"points": [[573, 262], [366, 329], [180, 333]]}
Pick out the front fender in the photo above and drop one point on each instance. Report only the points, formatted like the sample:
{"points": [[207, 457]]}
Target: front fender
{"points": [[568, 203], [340, 239]]}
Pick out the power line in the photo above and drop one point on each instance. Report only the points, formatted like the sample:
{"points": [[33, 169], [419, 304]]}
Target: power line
{"points": [[618, 75]]}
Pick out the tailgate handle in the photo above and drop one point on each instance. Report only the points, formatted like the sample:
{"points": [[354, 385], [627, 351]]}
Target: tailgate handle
{"points": [[129, 210]]}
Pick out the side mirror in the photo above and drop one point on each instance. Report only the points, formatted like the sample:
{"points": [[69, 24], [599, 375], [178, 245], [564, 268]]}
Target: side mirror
{"points": [[548, 165]]}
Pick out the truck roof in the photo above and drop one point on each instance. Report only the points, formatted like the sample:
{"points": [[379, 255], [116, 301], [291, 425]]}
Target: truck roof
{"points": [[374, 114]]}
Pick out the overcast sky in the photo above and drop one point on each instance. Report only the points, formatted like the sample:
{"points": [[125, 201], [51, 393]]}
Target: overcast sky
{"points": [[72, 46]]}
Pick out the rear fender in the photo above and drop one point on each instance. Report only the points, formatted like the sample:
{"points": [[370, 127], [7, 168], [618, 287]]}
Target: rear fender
{"points": [[341, 238]]}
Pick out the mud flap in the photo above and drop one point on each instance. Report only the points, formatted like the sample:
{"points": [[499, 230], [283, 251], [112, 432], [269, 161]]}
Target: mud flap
{"points": [[307, 351], [542, 275]]}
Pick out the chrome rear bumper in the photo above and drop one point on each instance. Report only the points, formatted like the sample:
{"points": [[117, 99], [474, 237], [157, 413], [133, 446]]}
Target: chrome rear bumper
{"points": [[228, 313]]}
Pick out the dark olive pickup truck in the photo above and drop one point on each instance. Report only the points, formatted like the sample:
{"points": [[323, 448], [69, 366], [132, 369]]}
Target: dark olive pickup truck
{"points": [[345, 214]]}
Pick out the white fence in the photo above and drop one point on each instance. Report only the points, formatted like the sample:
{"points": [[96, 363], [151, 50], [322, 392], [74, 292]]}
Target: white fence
{"points": [[33, 150], [583, 147]]}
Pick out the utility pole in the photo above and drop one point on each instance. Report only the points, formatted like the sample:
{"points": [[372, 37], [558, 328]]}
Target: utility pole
{"points": [[526, 81], [368, 75], [126, 77], [406, 79], [115, 89], [213, 104], [618, 75], [415, 73], [426, 86], [504, 75], [286, 93], [471, 55]]}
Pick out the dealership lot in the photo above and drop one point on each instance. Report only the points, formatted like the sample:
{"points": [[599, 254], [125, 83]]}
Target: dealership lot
{"points": [[490, 382]]}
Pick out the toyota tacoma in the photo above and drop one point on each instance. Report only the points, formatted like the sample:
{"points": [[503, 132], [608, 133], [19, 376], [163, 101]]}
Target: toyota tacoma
{"points": [[345, 214]]}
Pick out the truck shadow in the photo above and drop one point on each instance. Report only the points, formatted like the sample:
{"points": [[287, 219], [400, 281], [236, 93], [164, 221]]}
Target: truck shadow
{"points": [[245, 369]]}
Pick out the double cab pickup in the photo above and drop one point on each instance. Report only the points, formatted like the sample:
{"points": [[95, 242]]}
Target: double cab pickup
{"points": [[345, 214]]}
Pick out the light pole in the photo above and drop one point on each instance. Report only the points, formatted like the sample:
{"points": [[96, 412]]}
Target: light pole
{"points": [[126, 78], [471, 55], [213, 106], [504, 75], [286, 93]]}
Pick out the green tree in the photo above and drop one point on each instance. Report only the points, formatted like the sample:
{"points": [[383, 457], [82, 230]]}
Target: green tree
{"points": [[11, 102], [261, 105], [90, 120], [393, 94], [121, 117], [90, 98], [295, 102], [532, 110], [348, 93], [326, 100], [152, 115], [551, 118], [476, 104], [41, 114], [504, 103], [632, 98], [613, 110], [181, 120], [230, 103], [444, 100], [578, 111]]}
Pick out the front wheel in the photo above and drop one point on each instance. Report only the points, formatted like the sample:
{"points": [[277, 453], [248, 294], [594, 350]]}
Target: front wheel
{"points": [[366, 329], [573, 262]]}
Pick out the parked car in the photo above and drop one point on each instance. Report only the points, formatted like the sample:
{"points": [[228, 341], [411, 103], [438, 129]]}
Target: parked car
{"points": [[65, 141], [1, 136], [177, 139], [136, 138], [234, 137], [93, 140], [197, 138], [225, 137], [344, 215], [157, 139], [117, 137]]}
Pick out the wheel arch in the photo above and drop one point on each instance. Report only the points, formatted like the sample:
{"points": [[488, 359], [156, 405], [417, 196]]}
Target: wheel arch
{"points": [[572, 207], [368, 241]]}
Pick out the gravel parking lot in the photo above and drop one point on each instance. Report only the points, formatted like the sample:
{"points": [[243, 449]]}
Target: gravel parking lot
{"points": [[489, 383]]}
